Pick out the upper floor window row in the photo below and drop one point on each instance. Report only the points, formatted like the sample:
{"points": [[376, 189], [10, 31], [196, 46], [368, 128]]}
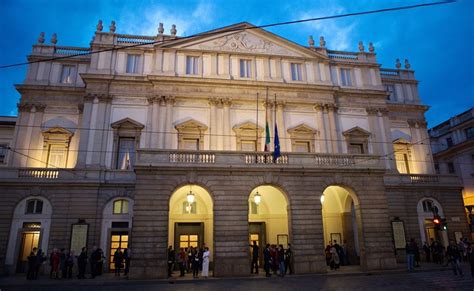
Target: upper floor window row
{"points": [[245, 68], [296, 72], [192, 65], [346, 77]]}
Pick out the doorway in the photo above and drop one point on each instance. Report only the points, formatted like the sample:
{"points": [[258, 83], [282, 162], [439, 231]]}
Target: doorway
{"points": [[188, 235], [257, 232], [29, 241], [118, 240]]}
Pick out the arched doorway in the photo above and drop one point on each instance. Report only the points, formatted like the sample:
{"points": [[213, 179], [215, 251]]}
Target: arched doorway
{"points": [[191, 220], [427, 208], [116, 228], [30, 228], [268, 218], [341, 222]]}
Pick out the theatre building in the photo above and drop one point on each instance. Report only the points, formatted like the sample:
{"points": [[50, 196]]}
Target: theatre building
{"points": [[163, 143]]}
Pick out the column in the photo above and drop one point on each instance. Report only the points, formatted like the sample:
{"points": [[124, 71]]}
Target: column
{"points": [[155, 122], [322, 138], [34, 148], [374, 127], [416, 155], [105, 134], [386, 138], [170, 136], [226, 102], [24, 149], [84, 131], [331, 108], [213, 102], [149, 122], [161, 122], [280, 105], [91, 127]]}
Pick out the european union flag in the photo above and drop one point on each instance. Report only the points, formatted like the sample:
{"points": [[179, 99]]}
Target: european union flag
{"points": [[276, 152]]}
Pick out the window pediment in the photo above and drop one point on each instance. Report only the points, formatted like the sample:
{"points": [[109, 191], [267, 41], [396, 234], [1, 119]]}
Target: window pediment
{"points": [[191, 125], [247, 128], [356, 132], [127, 123], [302, 129], [57, 133]]}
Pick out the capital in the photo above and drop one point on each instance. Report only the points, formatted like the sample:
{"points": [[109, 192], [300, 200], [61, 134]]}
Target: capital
{"points": [[24, 107], [331, 107], [170, 100], [371, 110], [40, 107], [226, 101], [213, 101], [318, 107]]}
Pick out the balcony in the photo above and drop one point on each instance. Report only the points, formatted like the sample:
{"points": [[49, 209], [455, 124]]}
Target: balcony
{"points": [[422, 179], [227, 159]]}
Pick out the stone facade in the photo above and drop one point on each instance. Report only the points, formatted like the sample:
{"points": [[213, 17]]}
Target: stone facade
{"points": [[133, 126]]}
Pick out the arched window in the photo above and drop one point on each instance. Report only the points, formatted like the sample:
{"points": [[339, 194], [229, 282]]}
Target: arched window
{"points": [[428, 206], [34, 206], [120, 206]]}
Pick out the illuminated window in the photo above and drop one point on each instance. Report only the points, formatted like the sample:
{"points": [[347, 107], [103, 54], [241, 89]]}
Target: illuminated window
{"points": [[296, 74], [189, 208], [67, 74], [245, 69], [192, 65], [188, 240], [346, 77], [34, 206], [402, 163], [57, 156], [120, 206], [126, 153]]}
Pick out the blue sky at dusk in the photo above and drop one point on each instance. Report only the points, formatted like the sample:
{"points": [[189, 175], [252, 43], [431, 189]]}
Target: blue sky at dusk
{"points": [[437, 40]]}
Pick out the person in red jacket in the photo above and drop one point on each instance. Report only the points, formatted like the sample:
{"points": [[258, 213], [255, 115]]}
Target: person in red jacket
{"points": [[54, 260]]}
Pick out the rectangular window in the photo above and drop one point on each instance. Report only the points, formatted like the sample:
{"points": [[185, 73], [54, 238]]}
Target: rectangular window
{"points": [[302, 147], [192, 65], [436, 166], [449, 142], [57, 156], [355, 148], [3, 153], [126, 153], [451, 169], [391, 90], [346, 77], [469, 132], [248, 146], [191, 144], [296, 72], [133, 63], [245, 69], [67, 74], [253, 208]]}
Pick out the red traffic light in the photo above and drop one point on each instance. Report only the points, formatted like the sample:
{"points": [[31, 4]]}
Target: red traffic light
{"points": [[436, 221]]}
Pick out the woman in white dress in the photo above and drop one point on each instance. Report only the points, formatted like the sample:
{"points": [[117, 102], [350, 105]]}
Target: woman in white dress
{"points": [[205, 263]]}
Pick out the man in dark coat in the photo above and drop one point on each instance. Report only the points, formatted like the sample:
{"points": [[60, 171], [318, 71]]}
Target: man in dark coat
{"points": [[94, 260], [254, 257], [171, 260], [267, 260], [82, 263], [289, 259], [30, 275]]}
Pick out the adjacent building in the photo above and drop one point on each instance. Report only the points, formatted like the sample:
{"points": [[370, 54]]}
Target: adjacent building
{"points": [[145, 142], [452, 143]]}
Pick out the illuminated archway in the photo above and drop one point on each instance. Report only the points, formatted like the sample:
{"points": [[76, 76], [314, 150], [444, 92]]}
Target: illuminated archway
{"points": [[341, 221], [191, 219], [268, 217], [427, 208]]}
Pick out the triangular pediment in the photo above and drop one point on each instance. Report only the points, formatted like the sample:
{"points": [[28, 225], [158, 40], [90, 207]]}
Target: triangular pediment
{"points": [[191, 124], [356, 132], [244, 38], [127, 123], [302, 129], [246, 126], [57, 130]]}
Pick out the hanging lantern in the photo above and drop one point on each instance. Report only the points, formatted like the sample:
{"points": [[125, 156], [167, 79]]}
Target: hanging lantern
{"points": [[322, 199], [257, 198], [190, 197]]}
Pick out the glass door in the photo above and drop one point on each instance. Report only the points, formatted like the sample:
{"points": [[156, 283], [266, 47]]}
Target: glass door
{"points": [[118, 239], [29, 241]]}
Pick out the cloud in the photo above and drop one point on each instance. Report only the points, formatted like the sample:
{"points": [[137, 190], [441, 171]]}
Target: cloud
{"points": [[338, 33], [146, 23]]}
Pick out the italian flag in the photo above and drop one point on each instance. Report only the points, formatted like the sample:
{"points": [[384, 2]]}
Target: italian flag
{"points": [[267, 136]]}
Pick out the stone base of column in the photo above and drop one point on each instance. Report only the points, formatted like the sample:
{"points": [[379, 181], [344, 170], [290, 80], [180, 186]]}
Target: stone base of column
{"points": [[231, 267]]}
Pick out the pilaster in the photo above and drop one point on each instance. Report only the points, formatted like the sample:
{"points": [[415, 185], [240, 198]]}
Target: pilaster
{"points": [[323, 135]]}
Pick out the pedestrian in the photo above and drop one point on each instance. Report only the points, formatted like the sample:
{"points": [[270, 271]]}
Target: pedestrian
{"points": [[182, 261], [100, 261], [471, 259], [118, 262], [94, 260], [126, 259], [190, 260], [82, 263], [454, 257], [427, 250], [54, 261], [281, 260], [30, 275], [205, 263], [267, 260], [69, 264], [339, 253], [274, 254], [254, 263], [417, 254], [289, 260], [171, 260], [434, 255], [40, 258], [327, 252], [195, 258], [345, 258], [62, 263], [410, 251], [334, 263]]}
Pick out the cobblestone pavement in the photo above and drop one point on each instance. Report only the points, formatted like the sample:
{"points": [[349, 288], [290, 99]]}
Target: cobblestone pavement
{"points": [[427, 280]]}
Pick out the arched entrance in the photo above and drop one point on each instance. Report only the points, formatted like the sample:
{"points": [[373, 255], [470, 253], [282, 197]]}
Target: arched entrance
{"points": [[341, 222], [268, 218], [191, 220], [29, 229], [427, 208]]}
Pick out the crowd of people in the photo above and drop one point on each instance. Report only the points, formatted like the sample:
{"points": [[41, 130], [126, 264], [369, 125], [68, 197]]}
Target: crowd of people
{"points": [[61, 263], [435, 252], [189, 260], [336, 255], [276, 259]]}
